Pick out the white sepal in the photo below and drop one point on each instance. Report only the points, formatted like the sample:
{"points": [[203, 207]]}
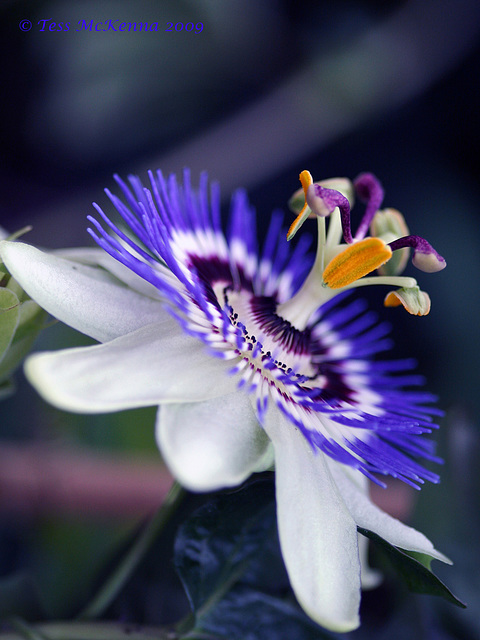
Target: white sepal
{"points": [[86, 298], [318, 536], [353, 486], [213, 444], [155, 364]]}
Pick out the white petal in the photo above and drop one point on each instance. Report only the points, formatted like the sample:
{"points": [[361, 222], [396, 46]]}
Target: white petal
{"points": [[95, 256], [318, 536], [155, 364], [86, 298], [354, 488], [213, 444], [370, 577]]}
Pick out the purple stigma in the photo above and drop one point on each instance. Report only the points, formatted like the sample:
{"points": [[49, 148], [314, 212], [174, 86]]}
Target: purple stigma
{"points": [[425, 257], [331, 199], [370, 191]]}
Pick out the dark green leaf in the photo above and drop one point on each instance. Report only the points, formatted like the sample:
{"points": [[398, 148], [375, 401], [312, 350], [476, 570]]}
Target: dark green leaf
{"points": [[7, 388], [214, 547], [248, 615], [423, 558], [31, 322], [9, 315], [228, 557], [415, 572]]}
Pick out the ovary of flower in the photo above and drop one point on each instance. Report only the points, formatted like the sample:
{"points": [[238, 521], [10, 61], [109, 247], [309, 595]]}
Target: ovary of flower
{"points": [[389, 225]]}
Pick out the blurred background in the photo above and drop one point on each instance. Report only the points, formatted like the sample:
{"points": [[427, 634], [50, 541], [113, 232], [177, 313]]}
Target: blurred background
{"points": [[262, 91]]}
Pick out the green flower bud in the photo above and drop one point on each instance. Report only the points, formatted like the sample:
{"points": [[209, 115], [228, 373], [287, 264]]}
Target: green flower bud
{"points": [[21, 320]]}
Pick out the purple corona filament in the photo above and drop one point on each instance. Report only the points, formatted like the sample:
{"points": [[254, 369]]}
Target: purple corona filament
{"points": [[321, 371]]}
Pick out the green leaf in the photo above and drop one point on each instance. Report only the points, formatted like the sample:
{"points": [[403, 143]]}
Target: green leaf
{"points": [[31, 321], [7, 389], [229, 560], [13, 285], [9, 316], [414, 569], [245, 614], [68, 630], [213, 547], [20, 323], [228, 557], [422, 558]]}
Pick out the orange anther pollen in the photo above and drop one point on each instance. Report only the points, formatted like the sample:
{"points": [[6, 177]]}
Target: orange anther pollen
{"points": [[414, 301], [356, 261], [306, 180], [392, 300]]}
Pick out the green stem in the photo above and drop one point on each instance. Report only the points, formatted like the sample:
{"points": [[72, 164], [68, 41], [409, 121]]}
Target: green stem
{"points": [[85, 631], [26, 631], [120, 576]]}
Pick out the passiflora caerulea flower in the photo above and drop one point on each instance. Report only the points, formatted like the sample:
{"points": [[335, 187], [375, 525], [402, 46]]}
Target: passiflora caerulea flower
{"points": [[255, 359]]}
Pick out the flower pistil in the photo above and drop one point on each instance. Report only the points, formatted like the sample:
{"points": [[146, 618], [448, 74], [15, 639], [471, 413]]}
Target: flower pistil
{"points": [[345, 265]]}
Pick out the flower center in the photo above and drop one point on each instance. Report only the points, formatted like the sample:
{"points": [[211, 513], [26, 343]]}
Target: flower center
{"points": [[267, 336], [339, 266]]}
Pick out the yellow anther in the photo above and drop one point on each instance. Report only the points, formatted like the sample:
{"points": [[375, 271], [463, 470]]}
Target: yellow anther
{"points": [[306, 180], [356, 261], [414, 300]]}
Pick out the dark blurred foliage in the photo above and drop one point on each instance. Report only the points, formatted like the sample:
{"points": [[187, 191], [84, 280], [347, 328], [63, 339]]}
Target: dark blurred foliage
{"points": [[78, 106]]}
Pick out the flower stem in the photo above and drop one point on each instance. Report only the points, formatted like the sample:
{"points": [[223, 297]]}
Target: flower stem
{"points": [[66, 630], [25, 630], [121, 574]]}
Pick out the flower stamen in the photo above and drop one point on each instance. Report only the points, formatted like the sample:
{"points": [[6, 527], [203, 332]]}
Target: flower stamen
{"points": [[412, 299], [347, 265], [306, 181], [356, 261]]}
